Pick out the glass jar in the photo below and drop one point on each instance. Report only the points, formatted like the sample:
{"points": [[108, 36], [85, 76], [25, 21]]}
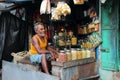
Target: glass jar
{"points": [[62, 57], [93, 54], [74, 54], [79, 53], [69, 56], [88, 53], [84, 53]]}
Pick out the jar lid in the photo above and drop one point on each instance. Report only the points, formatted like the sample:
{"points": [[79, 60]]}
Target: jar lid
{"points": [[78, 49], [67, 50], [74, 49], [62, 51]]}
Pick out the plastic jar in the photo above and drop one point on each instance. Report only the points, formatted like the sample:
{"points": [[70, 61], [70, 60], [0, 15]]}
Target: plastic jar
{"points": [[79, 53], [62, 57], [69, 56], [74, 54]]}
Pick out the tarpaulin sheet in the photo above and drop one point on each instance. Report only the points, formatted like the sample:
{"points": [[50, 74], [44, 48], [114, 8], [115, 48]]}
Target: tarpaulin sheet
{"points": [[13, 35]]}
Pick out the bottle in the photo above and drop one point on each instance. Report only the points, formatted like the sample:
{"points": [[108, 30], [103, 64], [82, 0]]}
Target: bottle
{"points": [[74, 40], [68, 42], [48, 33], [55, 40]]}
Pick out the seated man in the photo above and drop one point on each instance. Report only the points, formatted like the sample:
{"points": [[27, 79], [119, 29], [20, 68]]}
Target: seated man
{"points": [[38, 46]]}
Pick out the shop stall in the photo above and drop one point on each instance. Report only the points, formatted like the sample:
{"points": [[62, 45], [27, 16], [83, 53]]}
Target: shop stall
{"points": [[72, 29]]}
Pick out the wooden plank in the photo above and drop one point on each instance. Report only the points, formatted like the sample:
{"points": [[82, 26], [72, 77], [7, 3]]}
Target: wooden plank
{"points": [[11, 71], [73, 63]]}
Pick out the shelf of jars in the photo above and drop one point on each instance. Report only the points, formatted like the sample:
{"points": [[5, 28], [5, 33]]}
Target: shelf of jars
{"points": [[88, 28], [70, 47]]}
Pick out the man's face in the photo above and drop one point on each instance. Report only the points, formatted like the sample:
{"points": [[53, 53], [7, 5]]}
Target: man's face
{"points": [[40, 30]]}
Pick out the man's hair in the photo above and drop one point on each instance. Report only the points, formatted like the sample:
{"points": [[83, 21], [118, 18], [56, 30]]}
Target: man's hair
{"points": [[36, 25]]}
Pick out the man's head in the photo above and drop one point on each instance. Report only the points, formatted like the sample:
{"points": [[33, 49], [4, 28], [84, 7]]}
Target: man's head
{"points": [[39, 29]]}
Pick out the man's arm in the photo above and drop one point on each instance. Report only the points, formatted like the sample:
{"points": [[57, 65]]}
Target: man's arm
{"points": [[53, 52], [36, 45]]}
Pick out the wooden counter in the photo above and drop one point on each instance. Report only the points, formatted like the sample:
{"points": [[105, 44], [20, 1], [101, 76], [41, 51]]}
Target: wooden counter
{"points": [[75, 70]]}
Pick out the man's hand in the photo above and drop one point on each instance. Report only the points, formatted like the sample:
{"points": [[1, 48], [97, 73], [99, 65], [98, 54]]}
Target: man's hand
{"points": [[52, 55]]}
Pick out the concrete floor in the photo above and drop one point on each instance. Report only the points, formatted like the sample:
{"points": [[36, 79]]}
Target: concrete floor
{"points": [[109, 75]]}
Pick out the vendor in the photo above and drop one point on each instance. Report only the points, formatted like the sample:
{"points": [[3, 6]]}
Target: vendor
{"points": [[38, 47]]}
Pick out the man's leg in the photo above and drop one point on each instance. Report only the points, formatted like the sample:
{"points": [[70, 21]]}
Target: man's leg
{"points": [[44, 63]]}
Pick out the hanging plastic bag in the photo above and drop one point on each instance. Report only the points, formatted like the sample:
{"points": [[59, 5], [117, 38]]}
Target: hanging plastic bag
{"points": [[43, 7], [48, 7], [62, 9]]}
